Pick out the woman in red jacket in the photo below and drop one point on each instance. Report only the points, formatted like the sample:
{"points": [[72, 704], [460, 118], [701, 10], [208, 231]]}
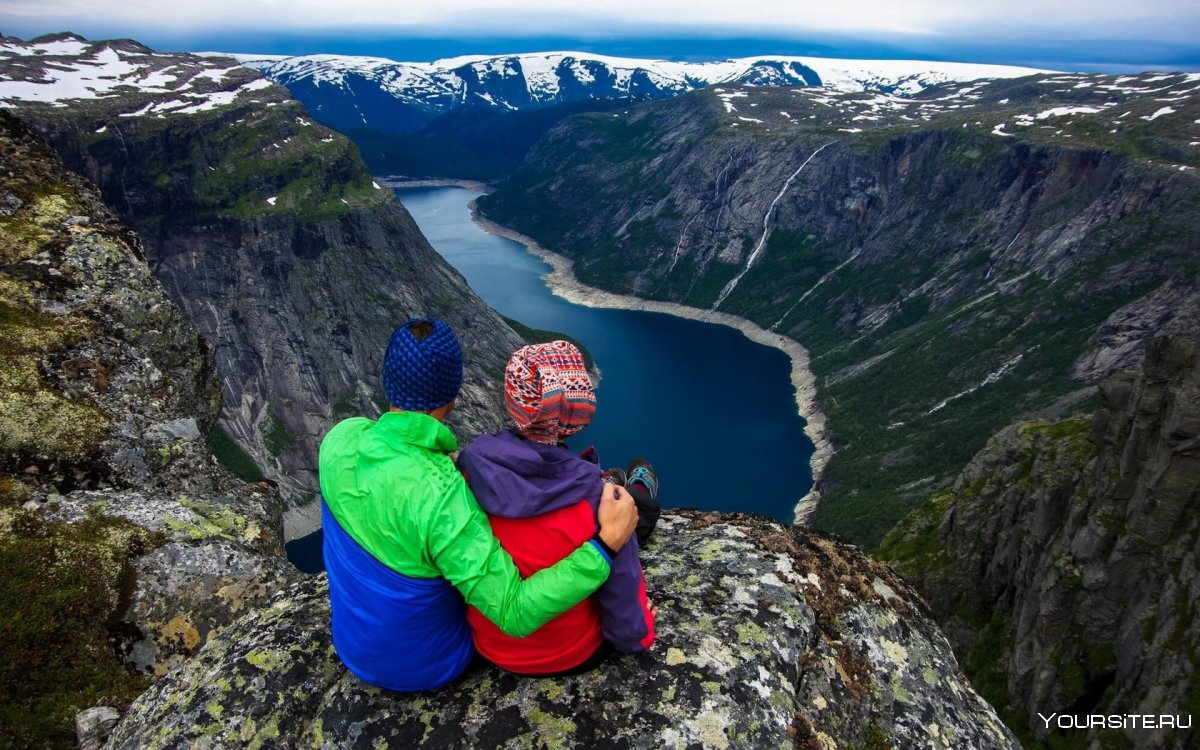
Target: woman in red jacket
{"points": [[541, 500]]}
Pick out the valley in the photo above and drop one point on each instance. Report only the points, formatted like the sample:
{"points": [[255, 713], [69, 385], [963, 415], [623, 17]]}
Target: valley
{"points": [[945, 279], [989, 289]]}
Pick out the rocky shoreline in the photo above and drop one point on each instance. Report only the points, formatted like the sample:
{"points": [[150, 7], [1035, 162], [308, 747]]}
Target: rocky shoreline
{"points": [[301, 520], [397, 181], [562, 282]]}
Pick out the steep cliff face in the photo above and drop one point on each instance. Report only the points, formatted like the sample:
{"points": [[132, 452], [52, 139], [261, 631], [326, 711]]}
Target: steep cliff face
{"points": [[265, 228], [951, 261], [124, 546], [1064, 560], [768, 637]]}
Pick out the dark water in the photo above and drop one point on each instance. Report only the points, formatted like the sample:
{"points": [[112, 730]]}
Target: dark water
{"points": [[305, 552], [713, 411]]}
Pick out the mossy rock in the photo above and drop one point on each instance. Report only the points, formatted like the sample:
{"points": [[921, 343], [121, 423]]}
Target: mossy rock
{"points": [[36, 420], [64, 589]]}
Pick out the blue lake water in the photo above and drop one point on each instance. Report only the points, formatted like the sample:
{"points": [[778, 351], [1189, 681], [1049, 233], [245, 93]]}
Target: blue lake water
{"points": [[714, 412]]}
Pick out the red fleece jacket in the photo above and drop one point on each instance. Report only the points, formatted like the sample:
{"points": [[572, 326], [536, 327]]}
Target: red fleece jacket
{"points": [[569, 639]]}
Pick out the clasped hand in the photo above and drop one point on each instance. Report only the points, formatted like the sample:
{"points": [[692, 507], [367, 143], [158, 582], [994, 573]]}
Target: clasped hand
{"points": [[617, 515]]}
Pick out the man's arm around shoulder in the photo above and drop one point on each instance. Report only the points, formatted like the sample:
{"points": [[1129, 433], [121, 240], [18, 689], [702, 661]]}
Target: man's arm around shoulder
{"points": [[470, 557]]}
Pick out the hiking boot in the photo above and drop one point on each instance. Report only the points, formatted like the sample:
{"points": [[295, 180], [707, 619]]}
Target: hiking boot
{"points": [[641, 472], [615, 475]]}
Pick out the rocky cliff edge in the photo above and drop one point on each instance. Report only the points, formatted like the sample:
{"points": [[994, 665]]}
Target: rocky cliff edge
{"points": [[1064, 562], [768, 636], [118, 531]]}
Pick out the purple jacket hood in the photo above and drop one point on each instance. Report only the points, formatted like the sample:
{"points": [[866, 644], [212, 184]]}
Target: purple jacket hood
{"points": [[517, 478]]}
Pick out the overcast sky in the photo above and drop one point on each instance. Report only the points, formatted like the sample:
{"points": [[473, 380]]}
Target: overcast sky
{"points": [[1167, 27]]}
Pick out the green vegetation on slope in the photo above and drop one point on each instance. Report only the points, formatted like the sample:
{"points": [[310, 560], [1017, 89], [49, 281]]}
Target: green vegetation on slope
{"points": [[250, 159], [276, 437], [888, 417], [277, 154], [233, 457], [538, 336]]}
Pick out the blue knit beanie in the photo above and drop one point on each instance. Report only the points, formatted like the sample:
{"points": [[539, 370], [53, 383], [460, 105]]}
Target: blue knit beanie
{"points": [[422, 375]]}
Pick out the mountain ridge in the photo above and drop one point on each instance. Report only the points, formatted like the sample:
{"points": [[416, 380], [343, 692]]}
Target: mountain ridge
{"points": [[422, 91]]}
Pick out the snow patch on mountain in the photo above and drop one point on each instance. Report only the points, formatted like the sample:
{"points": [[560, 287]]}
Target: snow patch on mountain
{"points": [[1160, 113], [556, 77], [1064, 111], [59, 71]]}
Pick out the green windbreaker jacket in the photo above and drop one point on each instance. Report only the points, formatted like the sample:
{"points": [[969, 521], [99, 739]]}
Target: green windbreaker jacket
{"points": [[393, 488]]}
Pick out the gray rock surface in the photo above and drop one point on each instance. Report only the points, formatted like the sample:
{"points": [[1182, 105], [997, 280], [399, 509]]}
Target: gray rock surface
{"points": [[1119, 344], [105, 393], [94, 725], [768, 637]]}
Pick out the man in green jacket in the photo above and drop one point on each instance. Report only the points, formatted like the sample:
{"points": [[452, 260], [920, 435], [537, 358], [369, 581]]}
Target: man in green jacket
{"points": [[406, 542]]}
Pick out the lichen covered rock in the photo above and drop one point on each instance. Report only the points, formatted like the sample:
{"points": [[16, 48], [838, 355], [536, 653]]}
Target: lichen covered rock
{"points": [[116, 525], [768, 636]]}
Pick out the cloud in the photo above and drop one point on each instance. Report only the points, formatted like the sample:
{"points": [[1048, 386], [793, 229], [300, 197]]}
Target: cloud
{"points": [[1166, 19]]}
